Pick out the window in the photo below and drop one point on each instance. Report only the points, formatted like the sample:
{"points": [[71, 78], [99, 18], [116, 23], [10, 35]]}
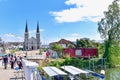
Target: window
{"points": [[78, 52]]}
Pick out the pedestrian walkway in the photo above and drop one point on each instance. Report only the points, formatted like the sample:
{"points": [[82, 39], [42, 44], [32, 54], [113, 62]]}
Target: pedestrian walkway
{"points": [[7, 74]]}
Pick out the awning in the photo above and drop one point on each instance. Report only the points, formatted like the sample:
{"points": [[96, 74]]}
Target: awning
{"points": [[73, 70], [53, 71]]}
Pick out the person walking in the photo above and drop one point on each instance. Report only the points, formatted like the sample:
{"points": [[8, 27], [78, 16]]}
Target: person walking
{"points": [[12, 62], [2, 61], [5, 60], [20, 64]]}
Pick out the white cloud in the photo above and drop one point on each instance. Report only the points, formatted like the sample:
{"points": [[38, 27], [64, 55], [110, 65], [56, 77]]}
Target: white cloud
{"points": [[33, 32], [11, 37], [42, 30], [74, 35], [85, 10], [94, 37]]}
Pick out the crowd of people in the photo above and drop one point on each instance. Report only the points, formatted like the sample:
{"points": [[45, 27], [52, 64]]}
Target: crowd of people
{"points": [[14, 61]]}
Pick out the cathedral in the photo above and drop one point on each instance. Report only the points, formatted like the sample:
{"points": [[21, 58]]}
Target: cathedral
{"points": [[31, 43]]}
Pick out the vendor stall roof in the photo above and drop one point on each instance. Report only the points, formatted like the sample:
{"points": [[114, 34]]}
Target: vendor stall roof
{"points": [[53, 71], [73, 70]]}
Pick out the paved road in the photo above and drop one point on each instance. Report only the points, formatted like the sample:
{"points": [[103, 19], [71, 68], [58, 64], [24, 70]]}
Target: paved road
{"points": [[6, 74]]}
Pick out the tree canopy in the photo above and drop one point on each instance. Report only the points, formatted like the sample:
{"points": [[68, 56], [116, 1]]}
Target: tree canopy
{"points": [[109, 29], [86, 43], [109, 26]]}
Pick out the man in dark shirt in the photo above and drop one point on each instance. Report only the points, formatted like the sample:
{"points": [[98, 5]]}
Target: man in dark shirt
{"points": [[5, 60]]}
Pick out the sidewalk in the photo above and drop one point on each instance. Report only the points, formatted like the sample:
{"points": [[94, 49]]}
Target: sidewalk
{"points": [[6, 74]]}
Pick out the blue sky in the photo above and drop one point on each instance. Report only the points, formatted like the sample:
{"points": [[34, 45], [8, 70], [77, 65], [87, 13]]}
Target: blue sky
{"points": [[68, 19]]}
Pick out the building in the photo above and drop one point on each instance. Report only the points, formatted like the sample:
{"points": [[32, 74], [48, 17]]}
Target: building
{"points": [[1, 43], [64, 43], [2, 46], [31, 43]]}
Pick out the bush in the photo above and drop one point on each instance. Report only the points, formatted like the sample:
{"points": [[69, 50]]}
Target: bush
{"points": [[38, 68], [114, 56], [55, 63]]}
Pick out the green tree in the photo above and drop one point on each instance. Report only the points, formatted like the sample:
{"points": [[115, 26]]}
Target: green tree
{"points": [[83, 42], [71, 46], [14, 50], [101, 49], [58, 48], [109, 27], [114, 58], [86, 43]]}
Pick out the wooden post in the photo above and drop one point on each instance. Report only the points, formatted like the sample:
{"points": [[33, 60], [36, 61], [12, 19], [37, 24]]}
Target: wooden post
{"points": [[93, 63], [89, 62], [104, 64]]}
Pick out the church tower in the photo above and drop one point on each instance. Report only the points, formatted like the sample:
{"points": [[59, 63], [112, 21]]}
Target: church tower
{"points": [[38, 36], [26, 37]]}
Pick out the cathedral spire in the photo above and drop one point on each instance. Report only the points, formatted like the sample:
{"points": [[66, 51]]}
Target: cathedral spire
{"points": [[37, 27], [26, 28], [38, 36]]}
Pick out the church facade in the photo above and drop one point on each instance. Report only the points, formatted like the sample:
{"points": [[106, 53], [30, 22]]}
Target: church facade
{"points": [[32, 43]]}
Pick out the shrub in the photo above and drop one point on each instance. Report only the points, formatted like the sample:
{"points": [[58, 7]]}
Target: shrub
{"points": [[114, 56]]}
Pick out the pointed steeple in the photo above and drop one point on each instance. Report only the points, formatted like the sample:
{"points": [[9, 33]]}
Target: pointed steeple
{"points": [[26, 28], [37, 27], [26, 37]]}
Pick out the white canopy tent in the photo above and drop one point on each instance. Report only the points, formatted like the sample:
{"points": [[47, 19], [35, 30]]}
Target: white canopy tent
{"points": [[53, 71], [74, 70]]}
